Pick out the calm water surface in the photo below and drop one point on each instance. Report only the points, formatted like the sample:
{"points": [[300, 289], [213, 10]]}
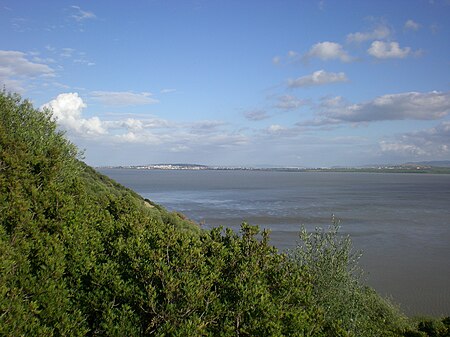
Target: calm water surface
{"points": [[401, 222]]}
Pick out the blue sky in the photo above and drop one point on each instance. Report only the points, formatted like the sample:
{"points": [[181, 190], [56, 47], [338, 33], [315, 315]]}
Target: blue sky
{"points": [[254, 83]]}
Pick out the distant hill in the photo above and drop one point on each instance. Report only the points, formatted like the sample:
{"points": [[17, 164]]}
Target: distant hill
{"points": [[434, 163]]}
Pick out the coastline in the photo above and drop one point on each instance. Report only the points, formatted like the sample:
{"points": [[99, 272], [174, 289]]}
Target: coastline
{"points": [[410, 169]]}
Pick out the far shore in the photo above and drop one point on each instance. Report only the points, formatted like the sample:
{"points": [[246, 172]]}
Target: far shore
{"points": [[417, 169]]}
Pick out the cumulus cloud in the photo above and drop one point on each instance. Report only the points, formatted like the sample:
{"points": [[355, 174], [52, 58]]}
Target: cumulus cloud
{"points": [[122, 98], [67, 111], [411, 25], [15, 68], [81, 15], [379, 33], [319, 77], [409, 105], [256, 115], [328, 51], [385, 50], [433, 142], [288, 102]]}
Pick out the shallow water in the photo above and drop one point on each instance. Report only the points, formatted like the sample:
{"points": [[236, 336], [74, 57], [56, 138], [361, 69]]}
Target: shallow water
{"points": [[401, 222]]}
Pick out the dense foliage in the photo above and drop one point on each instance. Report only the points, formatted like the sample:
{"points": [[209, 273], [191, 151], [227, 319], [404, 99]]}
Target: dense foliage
{"points": [[81, 255]]}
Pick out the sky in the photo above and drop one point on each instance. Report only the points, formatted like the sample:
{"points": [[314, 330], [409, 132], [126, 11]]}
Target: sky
{"points": [[236, 83]]}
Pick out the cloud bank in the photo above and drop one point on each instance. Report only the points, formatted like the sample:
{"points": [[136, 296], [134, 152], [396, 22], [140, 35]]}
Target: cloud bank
{"points": [[433, 142], [403, 106], [67, 110], [16, 68]]}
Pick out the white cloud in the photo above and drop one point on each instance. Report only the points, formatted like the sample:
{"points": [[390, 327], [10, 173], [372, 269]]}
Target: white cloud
{"points": [[15, 68], [401, 148], [276, 128], [43, 60], [277, 131], [81, 15], [411, 25], [206, 126], [291, 57], [288, 102], [67, 111], [122, 98], [133, 124], [328, 51], [379, 33], [222, 139], [128, 123], [179, 148], [319, 77], [147, 138], [15, 63], [409, 105], [384, 50], [256, 115], [433, 142]]}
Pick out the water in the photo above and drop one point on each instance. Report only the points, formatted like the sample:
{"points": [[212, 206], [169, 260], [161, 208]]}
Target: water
{"points": [[401, 222]]}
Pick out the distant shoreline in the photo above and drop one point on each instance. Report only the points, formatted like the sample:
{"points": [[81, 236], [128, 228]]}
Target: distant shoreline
{"points": [[376, 169]]}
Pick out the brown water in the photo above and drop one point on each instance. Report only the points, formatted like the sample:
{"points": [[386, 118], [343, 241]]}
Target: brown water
{"points": [[400, 221]]}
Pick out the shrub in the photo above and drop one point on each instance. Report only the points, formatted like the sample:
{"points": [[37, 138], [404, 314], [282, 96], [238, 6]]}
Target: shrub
{"points": [[349, 306]]}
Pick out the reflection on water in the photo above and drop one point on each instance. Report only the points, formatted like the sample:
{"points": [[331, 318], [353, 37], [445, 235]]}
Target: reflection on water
{"points": [[400, 221]]}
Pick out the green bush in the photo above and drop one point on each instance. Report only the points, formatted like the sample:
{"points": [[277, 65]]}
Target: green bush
{"points": [[82, 255], [430, 327], [338, 288]]}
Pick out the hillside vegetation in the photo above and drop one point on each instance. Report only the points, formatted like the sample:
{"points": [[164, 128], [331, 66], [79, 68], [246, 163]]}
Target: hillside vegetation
{"points": [[81, 255]]}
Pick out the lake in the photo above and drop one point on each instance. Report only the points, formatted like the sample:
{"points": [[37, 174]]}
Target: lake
{"points": [[401, 222]]}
